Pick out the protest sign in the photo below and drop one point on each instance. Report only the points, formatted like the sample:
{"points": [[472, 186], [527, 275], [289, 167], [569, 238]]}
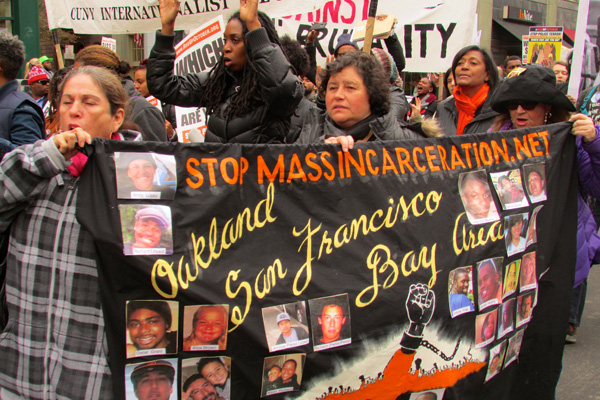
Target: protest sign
{"points": [[544, 45], [525, 42], [155, 102], [431, 32], [109, 43], [197, 52], [384, 272], [137, 16]]}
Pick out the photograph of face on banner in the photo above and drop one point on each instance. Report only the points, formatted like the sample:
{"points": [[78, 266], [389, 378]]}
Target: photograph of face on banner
{"points": [[514, 346], [485, 328], [151, 380], [282, 374], [460, 291], [205, 327], [535, 181], [286, 326], [206, 378], [437, 394], [515, 228], [495, 361], [146, 229], [330, 320], [145, 176], [509, 187], [477, 198], [489, 279], [528, 272], [152, 327], [525, 305], [507, 317], [511, 277]]}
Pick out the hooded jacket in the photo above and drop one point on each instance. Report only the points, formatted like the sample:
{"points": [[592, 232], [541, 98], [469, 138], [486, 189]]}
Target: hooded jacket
{"points": [[320, 126], [268, 123]]}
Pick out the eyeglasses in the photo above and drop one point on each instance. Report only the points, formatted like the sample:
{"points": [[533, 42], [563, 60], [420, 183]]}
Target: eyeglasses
{"points": [[526, 105], [44, 82]]}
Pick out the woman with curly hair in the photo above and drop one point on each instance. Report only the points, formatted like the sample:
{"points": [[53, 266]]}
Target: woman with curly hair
{"points": [[250, 94], [357, 102]]}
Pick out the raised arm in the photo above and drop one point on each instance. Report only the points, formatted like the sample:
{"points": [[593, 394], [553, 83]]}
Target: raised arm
{"points": [[184, 91]]}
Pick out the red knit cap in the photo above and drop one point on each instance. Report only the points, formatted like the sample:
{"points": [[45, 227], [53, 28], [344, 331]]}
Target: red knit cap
{"points": [[36, 74]]}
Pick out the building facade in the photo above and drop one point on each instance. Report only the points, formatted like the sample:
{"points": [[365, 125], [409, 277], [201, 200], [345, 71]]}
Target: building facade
{"points": [[504, 22]]}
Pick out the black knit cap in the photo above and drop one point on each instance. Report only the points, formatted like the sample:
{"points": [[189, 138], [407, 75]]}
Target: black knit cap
{"points": [[343, 40], [530, 83]]}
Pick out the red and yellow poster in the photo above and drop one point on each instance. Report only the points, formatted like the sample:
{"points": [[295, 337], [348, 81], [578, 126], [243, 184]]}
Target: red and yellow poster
{"points": [[544, 45]]}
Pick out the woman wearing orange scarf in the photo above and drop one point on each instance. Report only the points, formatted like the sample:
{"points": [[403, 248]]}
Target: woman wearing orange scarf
{"points": [[468, 110]]}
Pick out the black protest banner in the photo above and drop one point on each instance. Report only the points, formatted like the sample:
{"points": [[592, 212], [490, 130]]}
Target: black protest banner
{"points": [[396, 269]]}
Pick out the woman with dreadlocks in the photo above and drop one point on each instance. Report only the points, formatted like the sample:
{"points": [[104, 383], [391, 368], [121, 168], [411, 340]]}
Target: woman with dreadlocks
{"points": [[250, 94]]}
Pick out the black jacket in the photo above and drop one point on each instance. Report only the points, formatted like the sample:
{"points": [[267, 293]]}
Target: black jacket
{"points": [[269, 123], [447, 115], [21, 119], [301, 114], [319, 126]]}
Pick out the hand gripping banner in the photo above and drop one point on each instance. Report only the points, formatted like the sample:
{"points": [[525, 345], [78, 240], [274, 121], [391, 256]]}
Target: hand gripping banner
{"points": [[418, 269]]}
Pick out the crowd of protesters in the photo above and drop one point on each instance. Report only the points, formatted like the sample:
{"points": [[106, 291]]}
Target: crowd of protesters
{"points": [[264, 89]]}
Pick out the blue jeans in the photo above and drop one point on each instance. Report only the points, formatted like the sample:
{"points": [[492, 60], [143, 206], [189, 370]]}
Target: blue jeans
{"points": [[577, 303]]}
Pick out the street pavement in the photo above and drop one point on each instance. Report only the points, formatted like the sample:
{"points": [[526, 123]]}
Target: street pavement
{"points": [[580, 377]]}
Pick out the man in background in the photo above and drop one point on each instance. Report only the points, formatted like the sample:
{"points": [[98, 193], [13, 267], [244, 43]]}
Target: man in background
{"points": [[21, 120], [47, 65], [38, 81], [153, 380]]}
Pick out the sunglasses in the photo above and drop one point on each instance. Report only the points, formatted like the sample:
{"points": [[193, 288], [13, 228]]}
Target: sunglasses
{"points": [[44, 82], [526, 105]]}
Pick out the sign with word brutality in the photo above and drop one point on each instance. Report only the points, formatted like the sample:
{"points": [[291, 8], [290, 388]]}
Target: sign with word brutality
{"points": [[400, 268], [431, 32]]}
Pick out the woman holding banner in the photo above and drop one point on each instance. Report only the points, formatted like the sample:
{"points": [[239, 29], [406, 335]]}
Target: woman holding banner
{"points": [[519, 102], [357, 100], [251, 92], [53, 344], [468, 110]]}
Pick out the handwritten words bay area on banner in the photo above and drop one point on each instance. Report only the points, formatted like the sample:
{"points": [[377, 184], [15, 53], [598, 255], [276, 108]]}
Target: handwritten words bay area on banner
{"points": [[362, 256]]}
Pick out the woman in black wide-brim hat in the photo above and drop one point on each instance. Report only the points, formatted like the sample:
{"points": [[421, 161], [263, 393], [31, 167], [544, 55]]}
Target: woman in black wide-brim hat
{"points": [[528, 98]]}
